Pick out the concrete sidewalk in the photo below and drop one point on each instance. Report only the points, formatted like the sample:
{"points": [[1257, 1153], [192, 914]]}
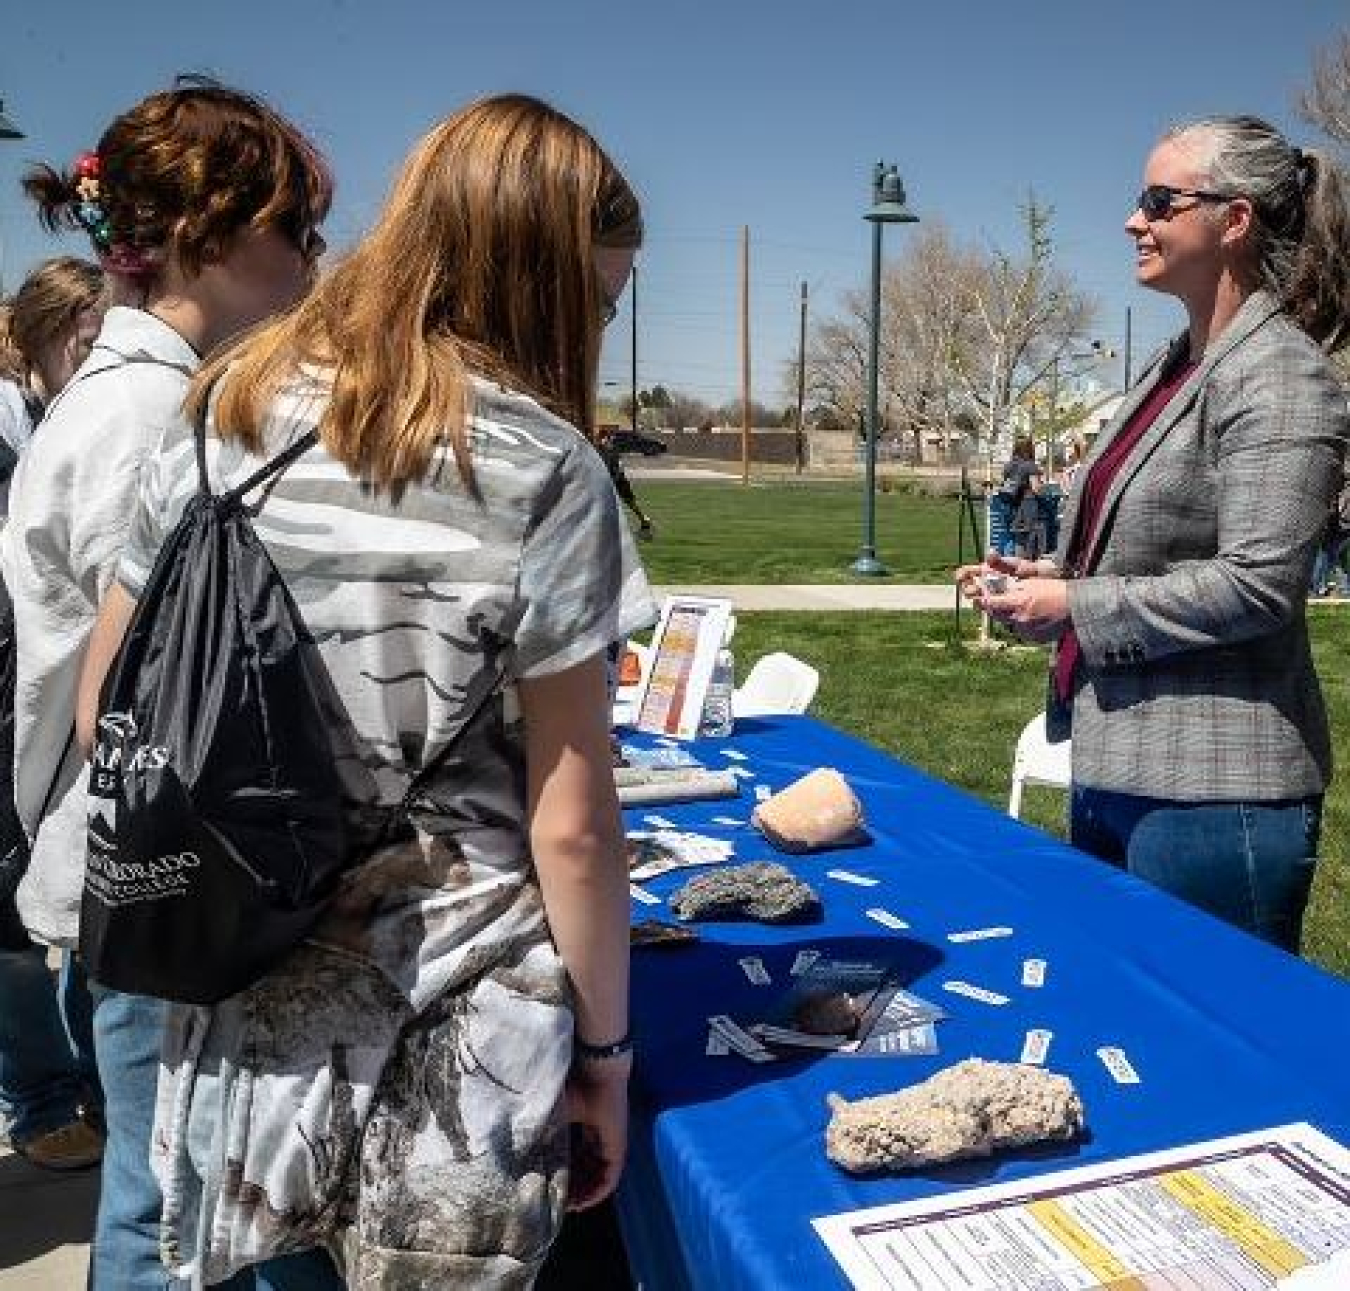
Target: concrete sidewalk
{"points": [[825, 596], [45, 1222]]}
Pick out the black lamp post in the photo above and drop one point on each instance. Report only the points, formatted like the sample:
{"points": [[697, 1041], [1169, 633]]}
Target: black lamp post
{"points": [[888, 207], [8, 130]]}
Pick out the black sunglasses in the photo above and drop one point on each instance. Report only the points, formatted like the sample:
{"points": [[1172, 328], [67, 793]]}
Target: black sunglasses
{"points": [[1158, 201]]}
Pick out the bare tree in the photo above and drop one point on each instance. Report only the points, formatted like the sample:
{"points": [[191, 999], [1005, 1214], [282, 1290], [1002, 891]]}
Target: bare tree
{"points": [[927, 334], [965, 334], [1033, 316], [1326, 103]]}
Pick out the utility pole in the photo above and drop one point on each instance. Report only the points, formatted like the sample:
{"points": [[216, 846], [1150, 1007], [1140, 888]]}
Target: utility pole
{"points": [[745, 354], [801, 386], [1127, 346], [632, 374], [1052, 427]]}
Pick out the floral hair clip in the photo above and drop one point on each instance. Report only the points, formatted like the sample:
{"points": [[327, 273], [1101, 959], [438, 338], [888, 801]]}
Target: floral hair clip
{"points": [[120, 257], [89, 212]]}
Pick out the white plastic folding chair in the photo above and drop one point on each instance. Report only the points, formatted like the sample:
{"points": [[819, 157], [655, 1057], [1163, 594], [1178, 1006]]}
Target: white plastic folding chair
{"points": [[778, 683], [1037, 761]]}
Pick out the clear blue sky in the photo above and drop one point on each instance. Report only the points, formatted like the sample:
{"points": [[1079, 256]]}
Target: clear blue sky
{"points": [[723, 114]]}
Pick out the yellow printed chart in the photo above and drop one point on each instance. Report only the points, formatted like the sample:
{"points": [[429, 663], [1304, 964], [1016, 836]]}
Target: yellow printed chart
{"points": [[1234, 1214]]}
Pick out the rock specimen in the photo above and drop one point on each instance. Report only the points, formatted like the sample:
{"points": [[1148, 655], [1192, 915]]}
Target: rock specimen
{"points": [[972, 1109], [763, 892]]}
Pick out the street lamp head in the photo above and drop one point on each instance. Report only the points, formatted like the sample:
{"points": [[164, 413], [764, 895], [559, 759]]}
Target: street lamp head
{"points": [[8, 130], [888, 197]]}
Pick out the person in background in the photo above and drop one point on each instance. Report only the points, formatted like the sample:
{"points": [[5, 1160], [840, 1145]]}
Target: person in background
{"points": [[1019, 493], [49, 1091], [1077, 451], [1178, 593], [1331, 569], [203, 205], [416, 1070], [623, 486]]}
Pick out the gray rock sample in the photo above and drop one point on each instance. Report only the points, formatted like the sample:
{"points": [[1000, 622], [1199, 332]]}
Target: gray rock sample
{"points": [[972, 1109], [762, 892]]}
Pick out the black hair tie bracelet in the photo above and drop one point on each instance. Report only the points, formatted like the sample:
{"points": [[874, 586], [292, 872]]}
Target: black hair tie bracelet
{"points": [[602, 1052]]}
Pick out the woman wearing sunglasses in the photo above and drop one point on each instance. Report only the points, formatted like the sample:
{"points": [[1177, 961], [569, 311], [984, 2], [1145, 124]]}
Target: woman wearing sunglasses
{"points": [[1177, 594]]}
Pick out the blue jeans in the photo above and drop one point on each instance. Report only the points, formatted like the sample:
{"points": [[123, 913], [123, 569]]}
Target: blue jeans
{"points": [[46, 1048], [1329, 566], [1248, 863], [125, 1255]]}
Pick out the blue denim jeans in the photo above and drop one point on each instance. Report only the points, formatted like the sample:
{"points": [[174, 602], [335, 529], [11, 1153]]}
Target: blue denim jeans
{"points": [[46, 1048], [125, 1254], [1248, 863], [1330, 566]]}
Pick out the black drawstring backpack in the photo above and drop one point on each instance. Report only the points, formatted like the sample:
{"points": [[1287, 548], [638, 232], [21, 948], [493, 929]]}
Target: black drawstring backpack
{"points": [[227, 788]]}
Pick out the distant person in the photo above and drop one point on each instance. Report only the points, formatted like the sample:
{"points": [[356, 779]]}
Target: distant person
{"points": [[1178, 593], [1331, 569], [1020, 494], [1068, 477], [49, 1088], [609, 453]]}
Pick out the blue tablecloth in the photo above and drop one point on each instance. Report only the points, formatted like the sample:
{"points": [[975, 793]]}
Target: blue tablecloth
{"points": [[728, 1165]]}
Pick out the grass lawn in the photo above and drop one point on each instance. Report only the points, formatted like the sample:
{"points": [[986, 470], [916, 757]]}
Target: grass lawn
{"points": [[957, 715], [720, 532]]}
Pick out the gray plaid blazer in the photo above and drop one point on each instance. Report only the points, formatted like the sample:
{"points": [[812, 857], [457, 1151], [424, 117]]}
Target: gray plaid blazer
{"points": [[1196, 680]]}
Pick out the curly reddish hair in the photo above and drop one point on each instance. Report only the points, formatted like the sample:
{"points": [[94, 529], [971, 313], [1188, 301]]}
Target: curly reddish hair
{"points": [[189, 169]]}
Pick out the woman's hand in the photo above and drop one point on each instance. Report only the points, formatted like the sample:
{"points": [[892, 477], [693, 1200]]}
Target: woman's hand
{"points": [[595, 1102], [970, 578], [1035, 608]]}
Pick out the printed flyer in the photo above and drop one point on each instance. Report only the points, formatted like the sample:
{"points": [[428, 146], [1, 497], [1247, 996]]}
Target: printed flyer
{"points": [[1233, 1214]]}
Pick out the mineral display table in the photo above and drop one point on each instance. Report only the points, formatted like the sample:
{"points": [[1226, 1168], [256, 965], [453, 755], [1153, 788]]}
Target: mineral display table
{"points": [[727, 1169]]}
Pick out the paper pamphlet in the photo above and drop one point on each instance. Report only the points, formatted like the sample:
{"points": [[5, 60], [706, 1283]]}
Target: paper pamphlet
{"points": [[684, 652], [1239, 1213]]}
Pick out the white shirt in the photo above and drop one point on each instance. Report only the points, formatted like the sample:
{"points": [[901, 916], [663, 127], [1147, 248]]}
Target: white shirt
{"points": [[16, 429], [71, 503]]}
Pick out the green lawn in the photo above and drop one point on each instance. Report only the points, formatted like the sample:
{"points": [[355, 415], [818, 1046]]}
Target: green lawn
{"points": [[790, 533], [901, 682]]}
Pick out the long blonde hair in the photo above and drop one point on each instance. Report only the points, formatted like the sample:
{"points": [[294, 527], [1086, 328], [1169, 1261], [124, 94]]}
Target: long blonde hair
{"points": [[481, 263]]}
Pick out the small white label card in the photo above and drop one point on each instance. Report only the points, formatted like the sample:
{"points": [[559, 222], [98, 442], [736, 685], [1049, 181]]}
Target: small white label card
{"points": [[735, 755], [919, 1041], [1033, 972], [642, 895], [886, 919], [731, 822], [763, 793], [979, 934], [1121, 1069], [848, 876], [958, 987], [659, 822], [753, 967], [741, 773], [804, 960], [742, 1041], [1036, 1046]]}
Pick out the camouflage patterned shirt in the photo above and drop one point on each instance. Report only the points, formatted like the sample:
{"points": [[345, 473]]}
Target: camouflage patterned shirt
{"points": [[392, 1089]]}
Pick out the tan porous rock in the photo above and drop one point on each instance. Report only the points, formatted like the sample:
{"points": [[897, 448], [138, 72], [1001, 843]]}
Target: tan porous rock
{"points": [[972, 1109]]}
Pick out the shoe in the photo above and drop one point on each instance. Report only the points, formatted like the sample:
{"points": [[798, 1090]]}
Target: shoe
{"points": [[76, 1146]]}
